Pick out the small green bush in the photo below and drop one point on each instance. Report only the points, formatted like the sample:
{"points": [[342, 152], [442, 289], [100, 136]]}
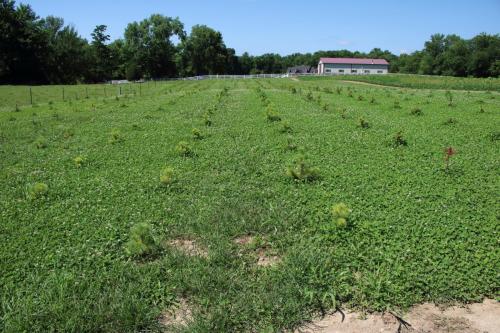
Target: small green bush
{"points": [[363, 123], [397, 105], [115, 136], [167, 175], [290, 145], [416, 112], [207, 120], [79, 161], [184, 149], [340, 213], [141, 241], [285, 128], [301, 171], [271, 115], [37, 190], [398, 140], [196, 134], [41, 143], [450, 121], [372, 100]]}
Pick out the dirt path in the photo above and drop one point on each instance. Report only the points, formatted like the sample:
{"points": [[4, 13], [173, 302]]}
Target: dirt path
{"points": [[425, 318]]}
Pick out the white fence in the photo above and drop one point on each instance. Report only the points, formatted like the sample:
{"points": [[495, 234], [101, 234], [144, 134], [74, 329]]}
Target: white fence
{"points": [[254, 76]]}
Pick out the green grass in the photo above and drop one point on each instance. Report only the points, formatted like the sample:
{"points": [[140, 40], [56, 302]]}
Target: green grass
{"points": [[420, 81], [415, 232]]}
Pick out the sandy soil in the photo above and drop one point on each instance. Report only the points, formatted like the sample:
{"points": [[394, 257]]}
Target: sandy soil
{"points": [[189, 247], [424, 318]]}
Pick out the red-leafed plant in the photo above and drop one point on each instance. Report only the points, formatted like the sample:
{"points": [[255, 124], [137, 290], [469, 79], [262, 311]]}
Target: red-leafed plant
{"points": [[448, 153]]}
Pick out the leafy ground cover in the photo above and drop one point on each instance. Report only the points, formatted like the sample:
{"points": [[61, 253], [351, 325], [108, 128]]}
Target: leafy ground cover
{"points": [[256, 204], [421, 81]]}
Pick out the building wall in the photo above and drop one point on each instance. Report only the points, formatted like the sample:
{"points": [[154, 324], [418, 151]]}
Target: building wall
{"points": [[353, 69]]}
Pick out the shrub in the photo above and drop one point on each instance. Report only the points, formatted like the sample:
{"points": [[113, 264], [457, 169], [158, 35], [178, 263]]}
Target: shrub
{"points": [[141, 241], [416, 112], [207, 120], [327, 90], [79, 160], [360, 98], [399, 140], [495, 136], [196, 134], [481, 110], [350, 94], [340, 213], [309, 96], [271, 115], [290, 145], [302, 172], [363, 123], [41, 143], [293, 90], [17, 109], [184, 149], [37, 190], [449, 97], [324, 106], [397, 105], [450, 121], [338, 90], [372, 100], [285, 128], [167, 175], [116, 136]]}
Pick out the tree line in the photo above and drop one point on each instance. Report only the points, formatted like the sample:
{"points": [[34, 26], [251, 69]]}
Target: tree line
{"points": [[45, 50]]}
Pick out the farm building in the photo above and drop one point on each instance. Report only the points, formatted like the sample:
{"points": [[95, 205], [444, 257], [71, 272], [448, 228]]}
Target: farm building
{"points": [[300, 69], [352, 66]]}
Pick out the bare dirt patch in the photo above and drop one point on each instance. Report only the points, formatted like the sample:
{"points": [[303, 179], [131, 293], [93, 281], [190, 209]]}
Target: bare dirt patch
{"points": [[265, 259], [424, 318], [264, 256], [189, 247], [180, 315], [244, 240]]}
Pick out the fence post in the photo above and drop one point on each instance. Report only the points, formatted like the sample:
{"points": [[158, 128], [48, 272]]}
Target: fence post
{"points": [[120, 90], [86, 92], [31, 97]]}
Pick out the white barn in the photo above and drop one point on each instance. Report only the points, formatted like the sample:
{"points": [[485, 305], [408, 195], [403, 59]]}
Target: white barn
{"points": [[352, 66]]}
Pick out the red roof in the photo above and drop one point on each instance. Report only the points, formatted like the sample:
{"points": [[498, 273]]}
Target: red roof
{"points": [[354, 61]]}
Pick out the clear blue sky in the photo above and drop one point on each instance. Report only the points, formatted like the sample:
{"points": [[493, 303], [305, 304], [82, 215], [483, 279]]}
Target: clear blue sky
{"points": [[262, 26]]}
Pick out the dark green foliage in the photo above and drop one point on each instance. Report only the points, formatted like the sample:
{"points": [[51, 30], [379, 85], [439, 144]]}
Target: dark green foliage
{"points": [[184, 149], [116, 136], [398, 140], [141, 241], [301, 171], [415, 234], [340, 213], [41, 143], [285, 127], [416, 112], [272, 115], [196, 134], [37, 191], [363, 123], [167, 175]]}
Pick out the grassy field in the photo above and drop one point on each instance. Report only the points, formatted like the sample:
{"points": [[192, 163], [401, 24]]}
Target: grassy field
{"points": [[252, 175], [421, 81]]}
